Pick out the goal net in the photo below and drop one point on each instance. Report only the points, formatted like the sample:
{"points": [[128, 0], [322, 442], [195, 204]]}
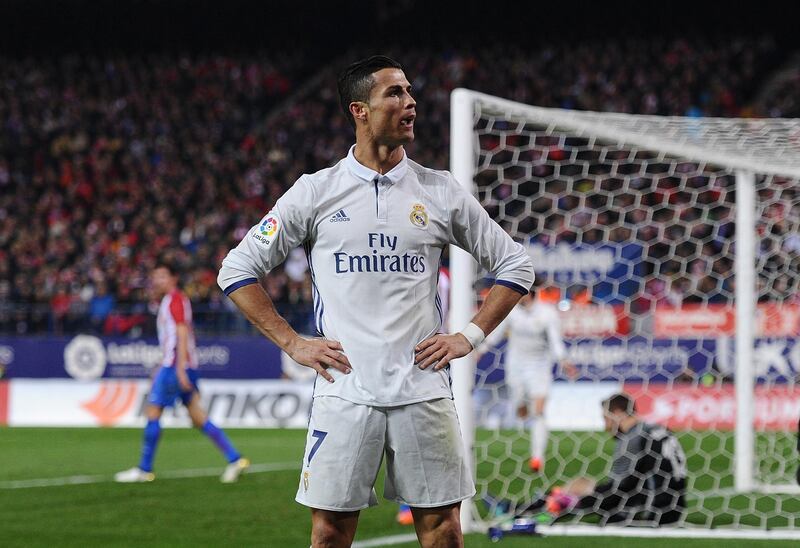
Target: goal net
{"points": [[671, 249]]}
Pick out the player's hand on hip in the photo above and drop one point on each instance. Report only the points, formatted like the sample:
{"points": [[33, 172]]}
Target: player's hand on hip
{"points": [[440, 349], [319, 355]]}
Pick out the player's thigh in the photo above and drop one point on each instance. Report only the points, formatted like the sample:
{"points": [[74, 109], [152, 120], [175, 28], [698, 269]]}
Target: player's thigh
{"points": [[333, 528], [536, 382], [164, 390], [344, 449], [187, 396], [515, 387], [191, 400], [195, 408], [539, 403], [426, 463]]}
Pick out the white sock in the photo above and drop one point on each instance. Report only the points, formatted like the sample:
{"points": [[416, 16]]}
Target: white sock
{"points": [[538, 437]]}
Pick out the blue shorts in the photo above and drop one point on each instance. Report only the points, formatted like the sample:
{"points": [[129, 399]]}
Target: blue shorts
{"points": [[166, 389]]}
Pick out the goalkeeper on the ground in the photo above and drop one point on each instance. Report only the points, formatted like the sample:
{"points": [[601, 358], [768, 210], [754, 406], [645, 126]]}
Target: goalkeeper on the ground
{"points": [[646, 483]]}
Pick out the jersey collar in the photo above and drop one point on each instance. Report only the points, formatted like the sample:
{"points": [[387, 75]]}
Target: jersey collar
{"points": [[363, 172]]}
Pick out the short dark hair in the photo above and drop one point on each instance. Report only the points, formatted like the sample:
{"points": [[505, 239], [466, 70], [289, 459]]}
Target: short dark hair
{"points": [[620, 402], [356, 81], [168, 265]]}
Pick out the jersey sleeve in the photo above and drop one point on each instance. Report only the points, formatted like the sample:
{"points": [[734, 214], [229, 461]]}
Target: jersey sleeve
{"points": [[474, 231], [176, 309], [267, 244]]}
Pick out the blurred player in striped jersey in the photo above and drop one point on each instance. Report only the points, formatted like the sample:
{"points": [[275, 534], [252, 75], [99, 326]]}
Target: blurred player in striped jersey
{"points": [[535, 342], [177, 379]]}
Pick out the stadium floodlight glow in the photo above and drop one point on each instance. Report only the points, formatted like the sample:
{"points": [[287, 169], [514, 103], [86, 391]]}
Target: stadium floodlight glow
{"points": [[661, 195]]}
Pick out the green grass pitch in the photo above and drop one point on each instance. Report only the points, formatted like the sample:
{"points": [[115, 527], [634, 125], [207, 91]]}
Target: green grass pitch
{"points": [[200, 511]]}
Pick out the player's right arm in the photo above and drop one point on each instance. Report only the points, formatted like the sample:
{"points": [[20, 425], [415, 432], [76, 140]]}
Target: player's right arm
{"points": [[264, 247], [317, 354]]}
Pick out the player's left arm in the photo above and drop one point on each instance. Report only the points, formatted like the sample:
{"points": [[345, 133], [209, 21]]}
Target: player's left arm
{"points": [[176, 310], [473, 230], [500, 333], [440, 349], [182, 357]]}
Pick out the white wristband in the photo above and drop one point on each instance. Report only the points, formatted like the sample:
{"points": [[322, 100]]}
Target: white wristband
{"points": [[473, 334]]}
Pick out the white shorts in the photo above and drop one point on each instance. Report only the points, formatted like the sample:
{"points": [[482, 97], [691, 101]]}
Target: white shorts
{"points": [[425, 459], [528, 381]]}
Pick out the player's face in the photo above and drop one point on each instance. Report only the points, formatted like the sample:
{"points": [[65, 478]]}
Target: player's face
{"points": [[391, 110], [162, 281]]}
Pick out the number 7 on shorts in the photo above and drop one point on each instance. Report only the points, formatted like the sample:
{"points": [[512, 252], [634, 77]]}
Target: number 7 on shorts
{"points": [[320, 435]]}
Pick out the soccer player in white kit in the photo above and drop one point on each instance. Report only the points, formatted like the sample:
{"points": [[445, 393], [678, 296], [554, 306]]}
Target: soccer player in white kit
{"points": [[535, 341], [374, 227]]}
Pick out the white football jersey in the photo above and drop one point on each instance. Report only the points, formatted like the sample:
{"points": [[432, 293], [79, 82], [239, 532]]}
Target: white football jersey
{"points": [[533, 333], [374, 245]]}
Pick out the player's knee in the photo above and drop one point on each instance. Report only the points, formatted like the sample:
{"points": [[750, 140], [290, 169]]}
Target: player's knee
{"points": [[198, 419], [332, 529], [197, 414], [438, 528], [327, 536], [446, 534], [153, 412]]}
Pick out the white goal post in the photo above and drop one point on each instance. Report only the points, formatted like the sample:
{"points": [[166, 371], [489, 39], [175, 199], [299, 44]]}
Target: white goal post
{"points": [[751, 152]]}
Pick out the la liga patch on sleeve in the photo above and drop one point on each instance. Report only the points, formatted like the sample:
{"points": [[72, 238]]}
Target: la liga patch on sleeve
{"points": [[268, 228]]}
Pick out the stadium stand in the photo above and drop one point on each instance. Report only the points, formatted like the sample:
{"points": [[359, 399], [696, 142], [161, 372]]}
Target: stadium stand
{"points": [[109, 161]]}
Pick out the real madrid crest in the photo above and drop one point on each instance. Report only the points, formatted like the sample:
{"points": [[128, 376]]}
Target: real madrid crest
{"points": [[419, 217]]}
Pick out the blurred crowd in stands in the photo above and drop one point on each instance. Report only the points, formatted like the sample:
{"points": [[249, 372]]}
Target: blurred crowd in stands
{"points": [[110, 162]]}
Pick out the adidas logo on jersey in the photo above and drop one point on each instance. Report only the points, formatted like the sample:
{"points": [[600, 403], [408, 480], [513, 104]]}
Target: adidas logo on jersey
{"points": [[340, 217]]}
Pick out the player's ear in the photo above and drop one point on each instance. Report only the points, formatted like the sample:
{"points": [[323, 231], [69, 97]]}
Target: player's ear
{"points": [[359, 110]]}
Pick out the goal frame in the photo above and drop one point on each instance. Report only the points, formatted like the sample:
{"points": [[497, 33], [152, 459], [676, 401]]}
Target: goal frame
{"points": [[463, 151]]}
